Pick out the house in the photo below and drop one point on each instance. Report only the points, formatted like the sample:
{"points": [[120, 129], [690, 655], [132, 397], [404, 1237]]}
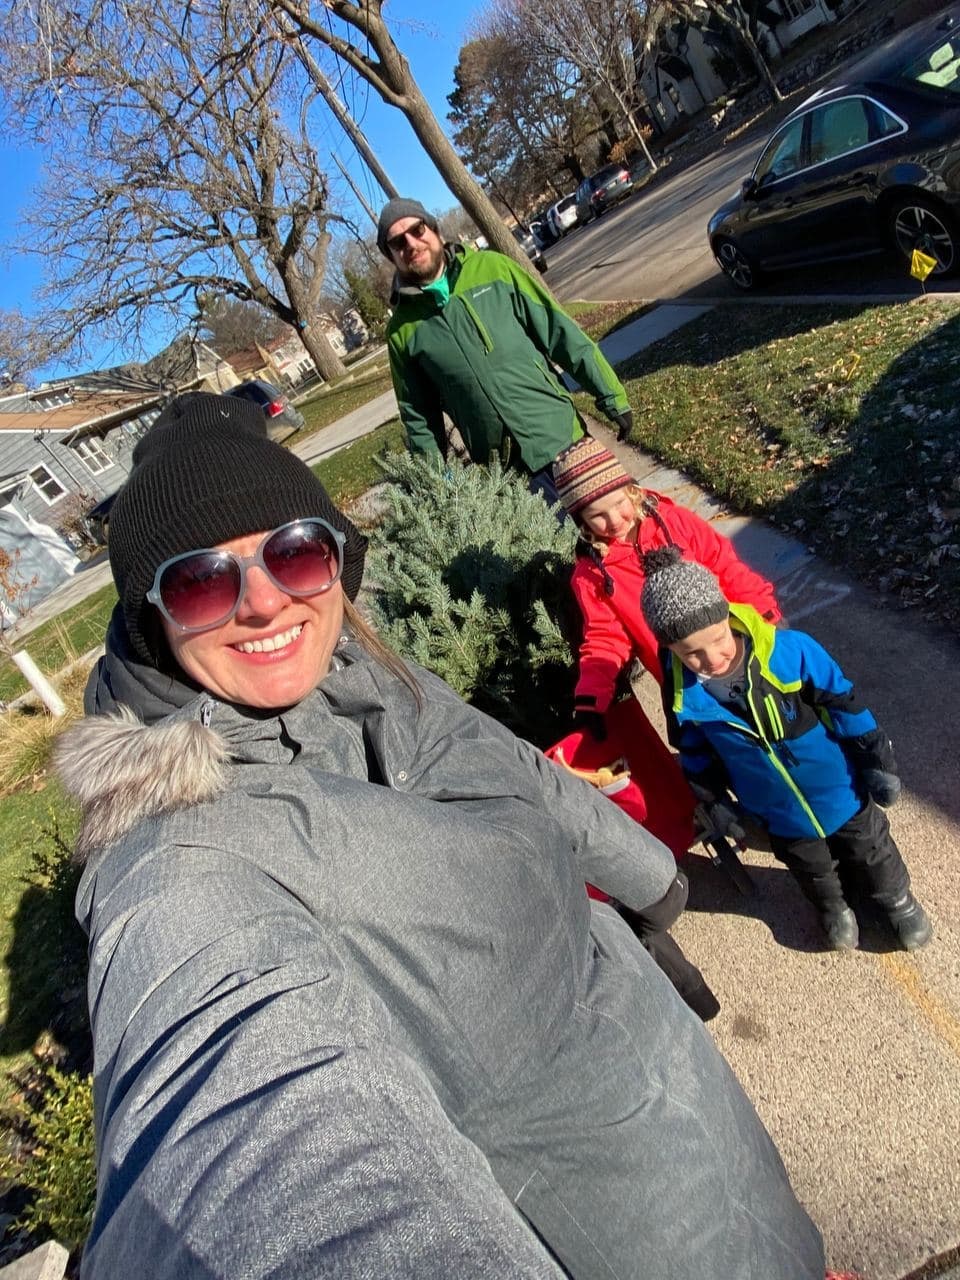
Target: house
{"points": [[687, 66], [69, 443], [75, 435], [285, 362]]}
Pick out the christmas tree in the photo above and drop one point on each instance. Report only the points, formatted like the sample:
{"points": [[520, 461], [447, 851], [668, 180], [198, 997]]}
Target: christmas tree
{"points": [[470, 576]]}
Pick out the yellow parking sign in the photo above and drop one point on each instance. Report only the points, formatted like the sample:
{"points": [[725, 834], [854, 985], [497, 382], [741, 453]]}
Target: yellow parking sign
{"points": [[921, 264]]}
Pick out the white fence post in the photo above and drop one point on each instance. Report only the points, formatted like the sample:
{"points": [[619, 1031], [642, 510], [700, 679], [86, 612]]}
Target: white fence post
{"points": [[39, 683]]}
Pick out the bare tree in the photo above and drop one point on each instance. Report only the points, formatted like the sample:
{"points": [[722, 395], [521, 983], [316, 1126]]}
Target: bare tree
{"points": [[738, 19], [369, 48], [228, 325], [183, 168], [519, 113], [23, 349], [600, 36]]}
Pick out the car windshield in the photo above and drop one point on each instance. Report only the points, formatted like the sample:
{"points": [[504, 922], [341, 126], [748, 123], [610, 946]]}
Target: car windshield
{"points": [[937, 67]]}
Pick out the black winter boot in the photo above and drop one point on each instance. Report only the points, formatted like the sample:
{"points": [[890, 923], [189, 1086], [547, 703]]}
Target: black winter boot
{"points": [[910, 922], [840, 926]]}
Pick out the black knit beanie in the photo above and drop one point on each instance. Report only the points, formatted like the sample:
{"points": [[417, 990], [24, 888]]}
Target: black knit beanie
{"points": [[679, 596], [395, 209], [205, 473]]}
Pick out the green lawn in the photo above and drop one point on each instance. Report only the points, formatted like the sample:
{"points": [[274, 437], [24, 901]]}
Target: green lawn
{"points": [[840, 424], [351, 471], [43, 970], [600, 319], [57, 642], [331, 406]]}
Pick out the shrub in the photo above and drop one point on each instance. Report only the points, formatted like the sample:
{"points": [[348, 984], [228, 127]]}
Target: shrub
{"points": [[53, 1162], [471, 579]]}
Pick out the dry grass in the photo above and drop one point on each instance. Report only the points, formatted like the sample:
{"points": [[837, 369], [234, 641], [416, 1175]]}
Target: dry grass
{"points": [[27, 735]]}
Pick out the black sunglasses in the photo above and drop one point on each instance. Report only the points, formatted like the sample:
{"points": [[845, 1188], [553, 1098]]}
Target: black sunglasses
{"points": [[397, 242]]}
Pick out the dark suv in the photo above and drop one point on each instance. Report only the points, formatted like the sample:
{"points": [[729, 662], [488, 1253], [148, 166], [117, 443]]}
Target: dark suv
{"points": [[282, 417], [601, 190]]}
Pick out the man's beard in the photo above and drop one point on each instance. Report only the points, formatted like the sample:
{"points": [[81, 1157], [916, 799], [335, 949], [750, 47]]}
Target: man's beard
{"points": [[425, 270]]}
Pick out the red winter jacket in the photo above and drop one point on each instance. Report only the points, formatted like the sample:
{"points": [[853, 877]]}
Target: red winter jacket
{"points": [[614, 630]]}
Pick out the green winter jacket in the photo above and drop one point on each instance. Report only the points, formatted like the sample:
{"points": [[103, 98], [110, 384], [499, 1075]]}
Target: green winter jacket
{"points": [[484, 358]]}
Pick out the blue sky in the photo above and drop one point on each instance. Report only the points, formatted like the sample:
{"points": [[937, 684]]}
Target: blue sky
{"points": [[431, 45]]}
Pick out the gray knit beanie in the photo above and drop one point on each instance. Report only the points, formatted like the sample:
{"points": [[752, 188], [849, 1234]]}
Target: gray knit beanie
{"points": [[395, 209], [679, 596]]}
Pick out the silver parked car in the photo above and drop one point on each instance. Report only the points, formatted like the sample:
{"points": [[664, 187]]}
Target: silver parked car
{"points": [[602, 190], [528, 244]]}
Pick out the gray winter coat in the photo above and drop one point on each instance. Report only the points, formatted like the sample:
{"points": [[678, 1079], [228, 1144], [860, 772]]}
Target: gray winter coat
{"points": [[351, 1004]]}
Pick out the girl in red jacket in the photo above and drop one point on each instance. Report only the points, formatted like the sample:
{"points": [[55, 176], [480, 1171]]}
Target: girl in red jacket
{"points": [[619, 522]]}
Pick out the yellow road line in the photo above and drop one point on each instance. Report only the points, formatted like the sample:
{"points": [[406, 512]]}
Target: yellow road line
{"points": [[905, 974]]}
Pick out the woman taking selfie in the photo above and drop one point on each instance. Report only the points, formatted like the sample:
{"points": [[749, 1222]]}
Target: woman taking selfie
{"points": [[353, 1013]]}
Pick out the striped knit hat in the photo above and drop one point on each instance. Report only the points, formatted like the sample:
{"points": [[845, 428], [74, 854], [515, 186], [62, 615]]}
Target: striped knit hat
{"points": [[585, 472]]}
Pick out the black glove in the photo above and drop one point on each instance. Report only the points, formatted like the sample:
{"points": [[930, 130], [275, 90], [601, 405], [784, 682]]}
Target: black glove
{"points": [[883, 787], [591, 722], [624, 423]]}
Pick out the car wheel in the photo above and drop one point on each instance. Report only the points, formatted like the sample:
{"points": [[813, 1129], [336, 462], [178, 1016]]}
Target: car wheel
{"points": [[541, 265], [735, 264], [919, 223]]}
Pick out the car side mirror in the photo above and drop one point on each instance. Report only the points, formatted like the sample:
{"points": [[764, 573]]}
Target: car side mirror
{"points": [[749, 188]]}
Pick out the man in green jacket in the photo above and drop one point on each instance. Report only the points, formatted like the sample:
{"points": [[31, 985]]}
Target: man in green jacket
{"points": [[475, 335]]}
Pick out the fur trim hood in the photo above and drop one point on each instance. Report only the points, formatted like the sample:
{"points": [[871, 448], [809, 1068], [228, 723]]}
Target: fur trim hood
{"points": [[122, 771]]}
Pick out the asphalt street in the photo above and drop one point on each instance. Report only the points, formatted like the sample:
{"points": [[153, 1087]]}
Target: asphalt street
{"points": [[653, 246]]}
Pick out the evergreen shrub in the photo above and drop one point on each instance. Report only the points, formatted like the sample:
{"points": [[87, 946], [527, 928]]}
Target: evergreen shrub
{"points": [[470, 576], [54, 1162]]}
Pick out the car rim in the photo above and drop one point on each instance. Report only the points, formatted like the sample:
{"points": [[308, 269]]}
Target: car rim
{"points": [[736, 266], [917, 227]]}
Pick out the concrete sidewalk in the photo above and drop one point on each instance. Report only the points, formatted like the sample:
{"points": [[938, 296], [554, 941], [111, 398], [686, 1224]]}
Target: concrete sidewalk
{"points": [[853, 1060]]}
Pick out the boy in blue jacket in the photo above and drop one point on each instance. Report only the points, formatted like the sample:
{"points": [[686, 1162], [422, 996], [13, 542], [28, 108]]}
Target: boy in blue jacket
{"points": [[770, 715]]}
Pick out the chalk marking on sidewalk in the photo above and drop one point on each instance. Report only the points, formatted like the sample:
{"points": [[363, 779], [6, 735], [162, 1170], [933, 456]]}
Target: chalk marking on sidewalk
{"points": [[804, 580], [904, 973]]}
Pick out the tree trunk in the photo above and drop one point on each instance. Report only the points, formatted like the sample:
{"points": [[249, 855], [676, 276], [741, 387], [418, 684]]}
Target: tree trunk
{"points": [[329, 365], [760, 62], [741, 31], [454, 173], [575, 169], [392, 79], [635, 130]]}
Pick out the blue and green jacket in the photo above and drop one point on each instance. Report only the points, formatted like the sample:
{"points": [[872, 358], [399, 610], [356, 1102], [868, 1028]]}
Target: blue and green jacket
{"points": [[484, 356], [793, 760]]}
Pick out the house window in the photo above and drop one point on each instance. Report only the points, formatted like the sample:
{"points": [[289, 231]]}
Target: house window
{"points": [[136, 428], [796, 8], [93, 455], [47, 485]]}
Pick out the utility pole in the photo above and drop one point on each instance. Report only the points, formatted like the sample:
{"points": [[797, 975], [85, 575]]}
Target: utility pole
{"points": [[326, 91], [353, 187]]}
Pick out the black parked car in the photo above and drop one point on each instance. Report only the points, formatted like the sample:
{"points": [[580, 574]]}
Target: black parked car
{"points": [[601, 190], [282, 417], [870, 163], [98, 519]]}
